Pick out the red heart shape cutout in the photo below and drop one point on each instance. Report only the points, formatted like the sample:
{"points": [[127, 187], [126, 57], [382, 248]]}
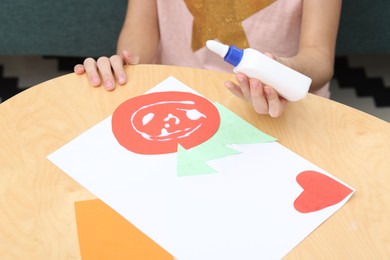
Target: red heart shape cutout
{"points": [[319, 191]]}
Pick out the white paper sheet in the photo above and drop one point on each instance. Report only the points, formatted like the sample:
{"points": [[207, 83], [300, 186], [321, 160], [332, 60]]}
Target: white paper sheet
{"points": [[243, 211]]}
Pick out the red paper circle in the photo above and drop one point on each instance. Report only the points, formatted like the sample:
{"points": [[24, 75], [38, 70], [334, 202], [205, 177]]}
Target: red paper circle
{"points": [[156, 123]]}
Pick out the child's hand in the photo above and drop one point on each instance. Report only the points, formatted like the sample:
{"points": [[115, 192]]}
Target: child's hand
{"points": [[108, 71], [265, 99]]}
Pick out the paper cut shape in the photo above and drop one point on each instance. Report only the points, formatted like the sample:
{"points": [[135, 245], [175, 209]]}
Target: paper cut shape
{"points": [[156, 123], [319, 191], [192, 163], [232, 130], [160, 122], [104, 234], [235, 130]]}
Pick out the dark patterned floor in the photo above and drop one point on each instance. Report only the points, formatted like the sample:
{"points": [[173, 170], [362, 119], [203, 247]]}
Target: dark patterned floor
{"points": [[8, 85], [362, 82], [364, 85], [12, 85]]}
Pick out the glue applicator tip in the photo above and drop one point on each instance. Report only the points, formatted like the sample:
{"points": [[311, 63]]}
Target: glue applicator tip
{"points": [[217, 47]]}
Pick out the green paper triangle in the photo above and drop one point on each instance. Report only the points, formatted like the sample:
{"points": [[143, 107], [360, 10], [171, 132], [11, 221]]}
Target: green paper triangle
{"points": [[189, 164], [232, 130], [235, 130], [212, 149]]}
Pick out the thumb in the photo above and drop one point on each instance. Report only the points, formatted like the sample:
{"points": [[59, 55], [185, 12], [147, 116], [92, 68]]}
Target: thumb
{"points": [[130, 58]]}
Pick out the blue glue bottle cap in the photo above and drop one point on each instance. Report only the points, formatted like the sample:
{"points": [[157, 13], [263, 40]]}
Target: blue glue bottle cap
{"points": [[234, 55], [230, 54]]}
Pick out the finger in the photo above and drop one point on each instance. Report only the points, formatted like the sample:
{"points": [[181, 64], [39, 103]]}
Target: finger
{"points": [[276, 104], [79, 69], [90, 67], [130, 58], [243, 82], [259, 101], [104, 67], [235, 89], [117, 66]]}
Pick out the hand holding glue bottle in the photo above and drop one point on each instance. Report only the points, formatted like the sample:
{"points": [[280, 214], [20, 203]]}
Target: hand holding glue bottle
{"points": [[289, 83]]}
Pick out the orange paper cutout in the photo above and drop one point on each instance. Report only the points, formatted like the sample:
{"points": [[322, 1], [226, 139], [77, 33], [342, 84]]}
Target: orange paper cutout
{"points": [[104, 234]]}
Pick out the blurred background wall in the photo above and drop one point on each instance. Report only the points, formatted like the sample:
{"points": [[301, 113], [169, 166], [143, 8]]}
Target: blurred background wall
{"points": [[43, 39]]}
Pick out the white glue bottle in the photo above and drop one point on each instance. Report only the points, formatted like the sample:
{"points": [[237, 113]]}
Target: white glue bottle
{"points": [[289, 83]]}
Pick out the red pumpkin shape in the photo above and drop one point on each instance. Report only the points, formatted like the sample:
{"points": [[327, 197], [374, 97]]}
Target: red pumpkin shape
{"points": [[156, 123]]}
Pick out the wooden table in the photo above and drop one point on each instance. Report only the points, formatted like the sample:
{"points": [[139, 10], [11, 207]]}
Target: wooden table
{"points": [[37, 219]]}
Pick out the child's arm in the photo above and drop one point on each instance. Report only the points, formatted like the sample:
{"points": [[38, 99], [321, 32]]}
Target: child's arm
{"points": [[315, 57], [140, 31], [137, 43]]}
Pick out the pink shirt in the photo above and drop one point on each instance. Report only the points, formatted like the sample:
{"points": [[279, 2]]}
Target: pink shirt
{"points": [[275, 29]]}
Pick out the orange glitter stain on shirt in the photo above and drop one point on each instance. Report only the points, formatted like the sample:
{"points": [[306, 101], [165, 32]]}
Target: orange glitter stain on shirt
{"points": [[221, 19]]}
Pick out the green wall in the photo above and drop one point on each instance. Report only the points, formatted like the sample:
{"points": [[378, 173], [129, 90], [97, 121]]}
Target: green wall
{"points": [[90, 28]]}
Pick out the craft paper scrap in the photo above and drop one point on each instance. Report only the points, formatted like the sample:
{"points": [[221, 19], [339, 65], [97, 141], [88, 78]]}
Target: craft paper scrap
{"points": [[232, 130], [177, 121], [257, 203], [156, 123], [104, 234]]}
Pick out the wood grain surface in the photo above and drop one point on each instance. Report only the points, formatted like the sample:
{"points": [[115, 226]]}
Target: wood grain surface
{"points": [[37, 218]]}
